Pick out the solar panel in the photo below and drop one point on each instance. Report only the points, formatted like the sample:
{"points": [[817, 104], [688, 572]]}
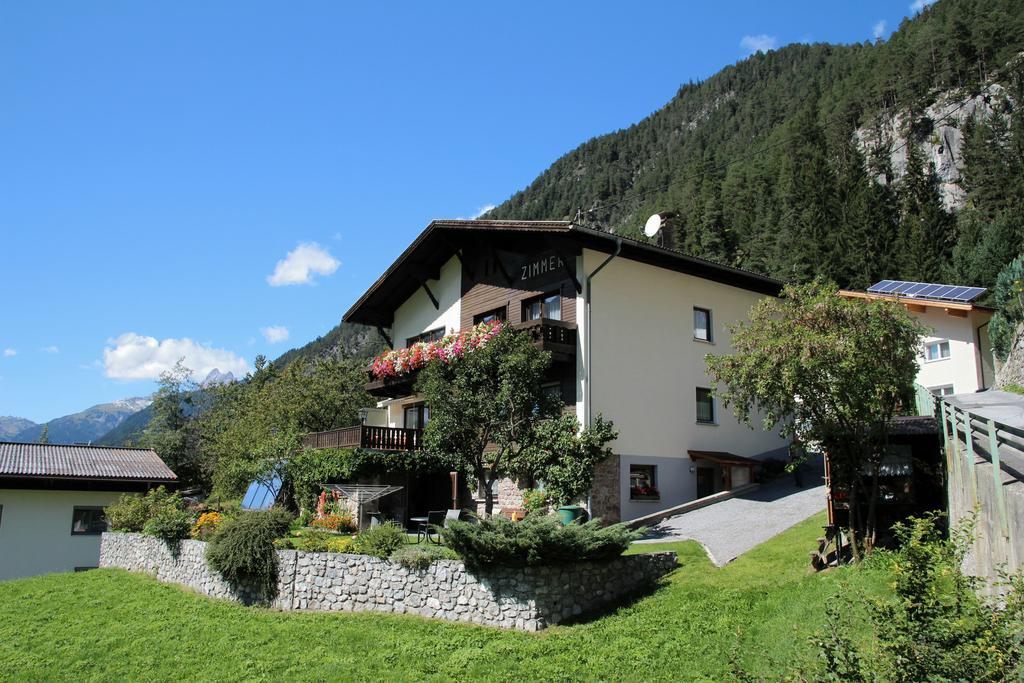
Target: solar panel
{"points": [[927, 290]]}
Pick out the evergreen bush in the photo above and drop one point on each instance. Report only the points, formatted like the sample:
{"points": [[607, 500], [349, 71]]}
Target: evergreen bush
{"points": [[170, 524], [422, 556], [537, 540], [243, 551], [380, 541]]}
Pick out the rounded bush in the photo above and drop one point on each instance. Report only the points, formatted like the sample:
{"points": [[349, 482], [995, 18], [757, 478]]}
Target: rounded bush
{"points": [[380, 541]]}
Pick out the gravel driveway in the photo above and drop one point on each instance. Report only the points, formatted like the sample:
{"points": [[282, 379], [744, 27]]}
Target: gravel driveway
{"points": [[734, 526]]}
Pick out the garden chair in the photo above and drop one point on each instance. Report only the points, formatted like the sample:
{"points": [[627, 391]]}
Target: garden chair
{"points": [[435, 520], [452, 516]]}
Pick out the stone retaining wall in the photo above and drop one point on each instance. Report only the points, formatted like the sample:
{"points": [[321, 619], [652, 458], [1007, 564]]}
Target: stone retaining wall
{"points": [[528, 599]]}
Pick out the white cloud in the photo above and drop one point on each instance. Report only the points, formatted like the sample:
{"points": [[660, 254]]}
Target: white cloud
{"points": [[483, 209], [919, 5], [51, 349], [133, 356], [10, 352], [758, 43], [879, 29], [301, 263], [275, 333]]}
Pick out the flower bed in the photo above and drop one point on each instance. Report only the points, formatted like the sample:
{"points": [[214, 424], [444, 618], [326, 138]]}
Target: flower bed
{"points": [[403, 361]]}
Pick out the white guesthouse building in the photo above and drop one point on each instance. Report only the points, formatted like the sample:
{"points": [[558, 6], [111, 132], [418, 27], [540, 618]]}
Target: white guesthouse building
{"points": [[628, 325], [956, 356]]}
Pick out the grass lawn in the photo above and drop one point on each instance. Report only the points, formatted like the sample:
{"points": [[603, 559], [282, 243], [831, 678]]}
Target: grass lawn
{"points": [[112, 625]]}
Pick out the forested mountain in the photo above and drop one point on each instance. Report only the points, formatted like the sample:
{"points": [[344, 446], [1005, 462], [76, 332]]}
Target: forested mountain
{"points": [[82, 427], [784, 162]]}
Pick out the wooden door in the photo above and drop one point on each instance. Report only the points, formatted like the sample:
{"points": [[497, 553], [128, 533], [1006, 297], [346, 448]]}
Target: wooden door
{"points": [[705, 481]]}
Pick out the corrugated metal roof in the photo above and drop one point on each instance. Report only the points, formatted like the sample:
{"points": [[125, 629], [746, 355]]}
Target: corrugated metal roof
{"points": [[86, 462]]}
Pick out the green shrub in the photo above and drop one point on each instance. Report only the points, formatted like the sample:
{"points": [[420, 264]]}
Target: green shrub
{"points": [[380, 541], [132, 511], [317, 541], [537, 540], [422, 556], [171, 524], [935, 627], [535, 501], [243, 551]]}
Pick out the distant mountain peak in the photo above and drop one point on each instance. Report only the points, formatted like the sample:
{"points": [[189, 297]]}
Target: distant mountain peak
{"points": [[216, 377]]}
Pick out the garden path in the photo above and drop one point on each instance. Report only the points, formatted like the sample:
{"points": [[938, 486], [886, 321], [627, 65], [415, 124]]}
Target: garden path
{"points": [[732, 527]]}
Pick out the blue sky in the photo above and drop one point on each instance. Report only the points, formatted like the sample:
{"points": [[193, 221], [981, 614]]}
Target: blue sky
{"points": [[219, 180]]}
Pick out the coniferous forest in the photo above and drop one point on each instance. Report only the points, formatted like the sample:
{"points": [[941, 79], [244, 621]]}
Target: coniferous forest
{"points": [[784, 163]]}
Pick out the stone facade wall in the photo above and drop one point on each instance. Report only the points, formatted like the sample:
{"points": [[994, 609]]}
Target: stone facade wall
{"points": [[508, 494], [604, 493], [528, 599]]}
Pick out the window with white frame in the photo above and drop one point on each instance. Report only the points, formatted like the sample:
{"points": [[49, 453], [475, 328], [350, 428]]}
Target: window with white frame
{"points": [[946, 390], [701, 324], [936, 350]]}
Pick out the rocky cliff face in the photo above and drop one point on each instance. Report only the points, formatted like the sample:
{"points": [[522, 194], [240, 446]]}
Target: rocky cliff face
{"points": [[1012, 371], [939, 134]]}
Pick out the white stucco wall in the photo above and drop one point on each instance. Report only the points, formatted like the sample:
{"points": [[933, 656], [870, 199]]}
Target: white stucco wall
{"points": [[35, 531], [963, 368], [646, 367], [417, 314]]}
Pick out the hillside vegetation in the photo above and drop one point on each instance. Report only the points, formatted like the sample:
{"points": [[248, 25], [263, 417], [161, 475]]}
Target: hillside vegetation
{"points": [[762, 169]]}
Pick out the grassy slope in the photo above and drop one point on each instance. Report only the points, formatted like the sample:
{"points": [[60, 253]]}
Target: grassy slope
{"points": [[109, 624]]}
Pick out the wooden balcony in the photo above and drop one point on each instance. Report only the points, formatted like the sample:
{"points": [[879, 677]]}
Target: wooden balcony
{"points": [[556, 336], [364, 436]]}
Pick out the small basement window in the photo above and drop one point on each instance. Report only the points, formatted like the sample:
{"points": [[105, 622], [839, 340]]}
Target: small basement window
{"points": [[88, 520], [701, 324], [936, 350], [705, 406], [643, 482]]}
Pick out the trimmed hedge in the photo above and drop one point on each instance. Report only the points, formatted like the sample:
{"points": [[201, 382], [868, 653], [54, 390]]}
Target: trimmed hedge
{"points": [[535, 541]]}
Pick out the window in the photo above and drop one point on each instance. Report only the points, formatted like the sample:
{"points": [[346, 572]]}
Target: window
{"points": [[942, 391], [936, 350], [417, 416], [643, 482], [705, 406], [546, 306], [87, 520], [491, 316], [428, 336], [701, 324]]}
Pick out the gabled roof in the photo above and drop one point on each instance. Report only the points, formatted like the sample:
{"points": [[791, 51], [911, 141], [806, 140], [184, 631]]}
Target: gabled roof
{"points": [[442, 239], [56, 461]]}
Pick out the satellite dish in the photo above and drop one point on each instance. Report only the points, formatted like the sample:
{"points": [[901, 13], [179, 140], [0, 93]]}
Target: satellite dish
{"points": [[653, 225]]}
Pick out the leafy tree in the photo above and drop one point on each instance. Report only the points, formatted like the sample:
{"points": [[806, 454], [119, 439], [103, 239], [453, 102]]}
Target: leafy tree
{"points": [[174, 431], [831, 372], [490, 417], [492, 395], [563, 458]]}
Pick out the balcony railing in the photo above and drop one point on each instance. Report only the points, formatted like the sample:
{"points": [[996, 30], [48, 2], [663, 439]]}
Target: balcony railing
{"points": [[365, 436], [556, 336]]}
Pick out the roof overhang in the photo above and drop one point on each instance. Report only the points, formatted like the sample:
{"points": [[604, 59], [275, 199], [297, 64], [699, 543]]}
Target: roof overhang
{"points": [[955, 308], [443, 239], [723, 458]]}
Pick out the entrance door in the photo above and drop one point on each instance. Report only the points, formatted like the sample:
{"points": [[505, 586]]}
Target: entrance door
{"points": [[705, 481]]}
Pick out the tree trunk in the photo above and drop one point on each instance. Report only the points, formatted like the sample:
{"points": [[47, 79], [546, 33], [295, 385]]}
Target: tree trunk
{"points": [[488, 497]]}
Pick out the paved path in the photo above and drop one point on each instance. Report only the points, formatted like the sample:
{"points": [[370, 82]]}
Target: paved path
{"points": [[734, 526]]}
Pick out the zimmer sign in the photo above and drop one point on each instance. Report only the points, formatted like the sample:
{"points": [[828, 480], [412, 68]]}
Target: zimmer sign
{"points": [[540, 266]]}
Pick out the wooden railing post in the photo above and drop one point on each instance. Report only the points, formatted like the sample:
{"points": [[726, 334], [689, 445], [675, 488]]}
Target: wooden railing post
{"points": [[997, 474], [969, 440]]}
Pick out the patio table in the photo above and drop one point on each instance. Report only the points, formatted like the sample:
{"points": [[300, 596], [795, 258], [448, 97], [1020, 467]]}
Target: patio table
{"points": [[416, 522]]}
